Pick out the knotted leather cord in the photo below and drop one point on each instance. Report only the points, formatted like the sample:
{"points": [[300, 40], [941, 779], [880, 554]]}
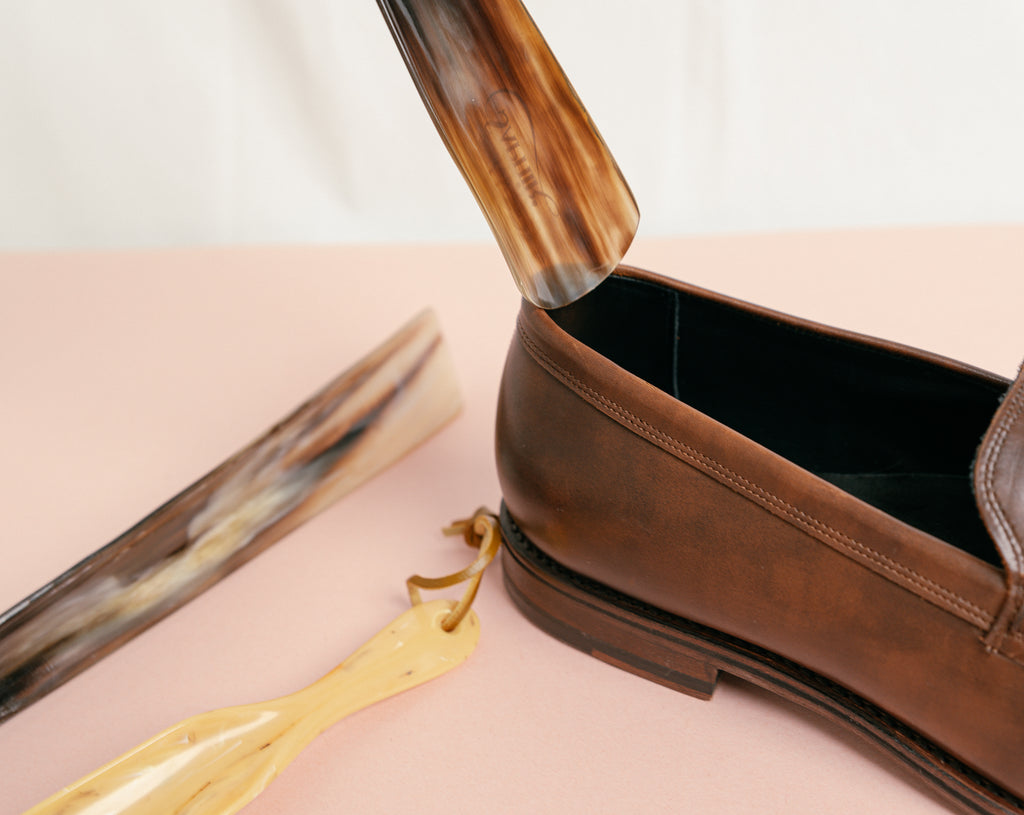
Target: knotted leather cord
{"points": [[481, 531]]}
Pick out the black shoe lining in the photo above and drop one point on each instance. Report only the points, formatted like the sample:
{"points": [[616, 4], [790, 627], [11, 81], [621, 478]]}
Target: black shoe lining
{"points": [[899, 433]]}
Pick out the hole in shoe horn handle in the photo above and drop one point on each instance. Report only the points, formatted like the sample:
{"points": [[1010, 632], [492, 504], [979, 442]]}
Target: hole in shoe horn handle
{"points": [[552, 192]]}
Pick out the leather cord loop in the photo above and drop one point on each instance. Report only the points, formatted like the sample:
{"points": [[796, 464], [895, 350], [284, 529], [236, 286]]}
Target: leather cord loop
{"points": [[481, 531]]}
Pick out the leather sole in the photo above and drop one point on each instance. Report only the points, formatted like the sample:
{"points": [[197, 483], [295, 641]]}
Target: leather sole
{"points": [[686, 656]]}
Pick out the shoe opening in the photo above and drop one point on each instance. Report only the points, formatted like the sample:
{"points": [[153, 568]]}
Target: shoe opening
{"points": [[898, 432]]}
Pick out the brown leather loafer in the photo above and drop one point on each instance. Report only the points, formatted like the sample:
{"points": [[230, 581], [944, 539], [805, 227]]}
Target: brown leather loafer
{"points": [[694, 484]]}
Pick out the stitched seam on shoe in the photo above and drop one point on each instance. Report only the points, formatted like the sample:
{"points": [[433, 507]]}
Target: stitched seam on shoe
{"points": [[945, 598], [737, 649], [991, 498], [995, 506]]}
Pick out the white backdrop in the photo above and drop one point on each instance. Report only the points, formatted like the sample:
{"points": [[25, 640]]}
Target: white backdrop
{"points": [[266, 121]]}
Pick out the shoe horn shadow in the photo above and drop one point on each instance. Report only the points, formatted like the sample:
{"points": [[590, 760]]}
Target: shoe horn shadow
{"points": [[215, 763], [357, 425], [550, 189]]}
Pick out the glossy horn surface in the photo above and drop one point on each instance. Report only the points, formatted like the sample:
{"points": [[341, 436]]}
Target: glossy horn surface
{"points": [[353, 428], [553, 194], [217, 762]]}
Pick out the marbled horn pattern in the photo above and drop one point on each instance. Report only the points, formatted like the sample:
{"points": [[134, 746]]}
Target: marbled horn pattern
{"points": [[354, 427], [217, 762], [550, 189]]}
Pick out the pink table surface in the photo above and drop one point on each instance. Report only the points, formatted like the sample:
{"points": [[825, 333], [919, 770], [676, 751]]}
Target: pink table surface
{"points": [[126, 376]]}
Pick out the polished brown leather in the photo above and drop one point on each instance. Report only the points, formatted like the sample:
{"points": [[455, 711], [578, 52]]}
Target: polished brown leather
{"points": [[999, 485], [670, 494]]}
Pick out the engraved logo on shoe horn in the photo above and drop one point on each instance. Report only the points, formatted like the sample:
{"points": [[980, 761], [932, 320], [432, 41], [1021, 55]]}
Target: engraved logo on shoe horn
{"points": [[512, 132]]}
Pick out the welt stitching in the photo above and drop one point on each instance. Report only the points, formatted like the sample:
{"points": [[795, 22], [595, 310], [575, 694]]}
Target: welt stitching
{"points": [[971, 611]]}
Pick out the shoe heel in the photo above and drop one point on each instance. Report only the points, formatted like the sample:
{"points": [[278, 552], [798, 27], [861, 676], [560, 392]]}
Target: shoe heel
{"points": [[686, 656], [600, 622]]}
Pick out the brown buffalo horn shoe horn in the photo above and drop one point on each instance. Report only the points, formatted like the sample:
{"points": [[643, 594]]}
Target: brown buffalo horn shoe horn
{"points": [[357, 425], [551, 191]]}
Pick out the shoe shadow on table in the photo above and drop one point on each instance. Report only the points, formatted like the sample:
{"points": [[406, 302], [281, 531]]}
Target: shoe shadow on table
{"points": [[804, 719]]}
